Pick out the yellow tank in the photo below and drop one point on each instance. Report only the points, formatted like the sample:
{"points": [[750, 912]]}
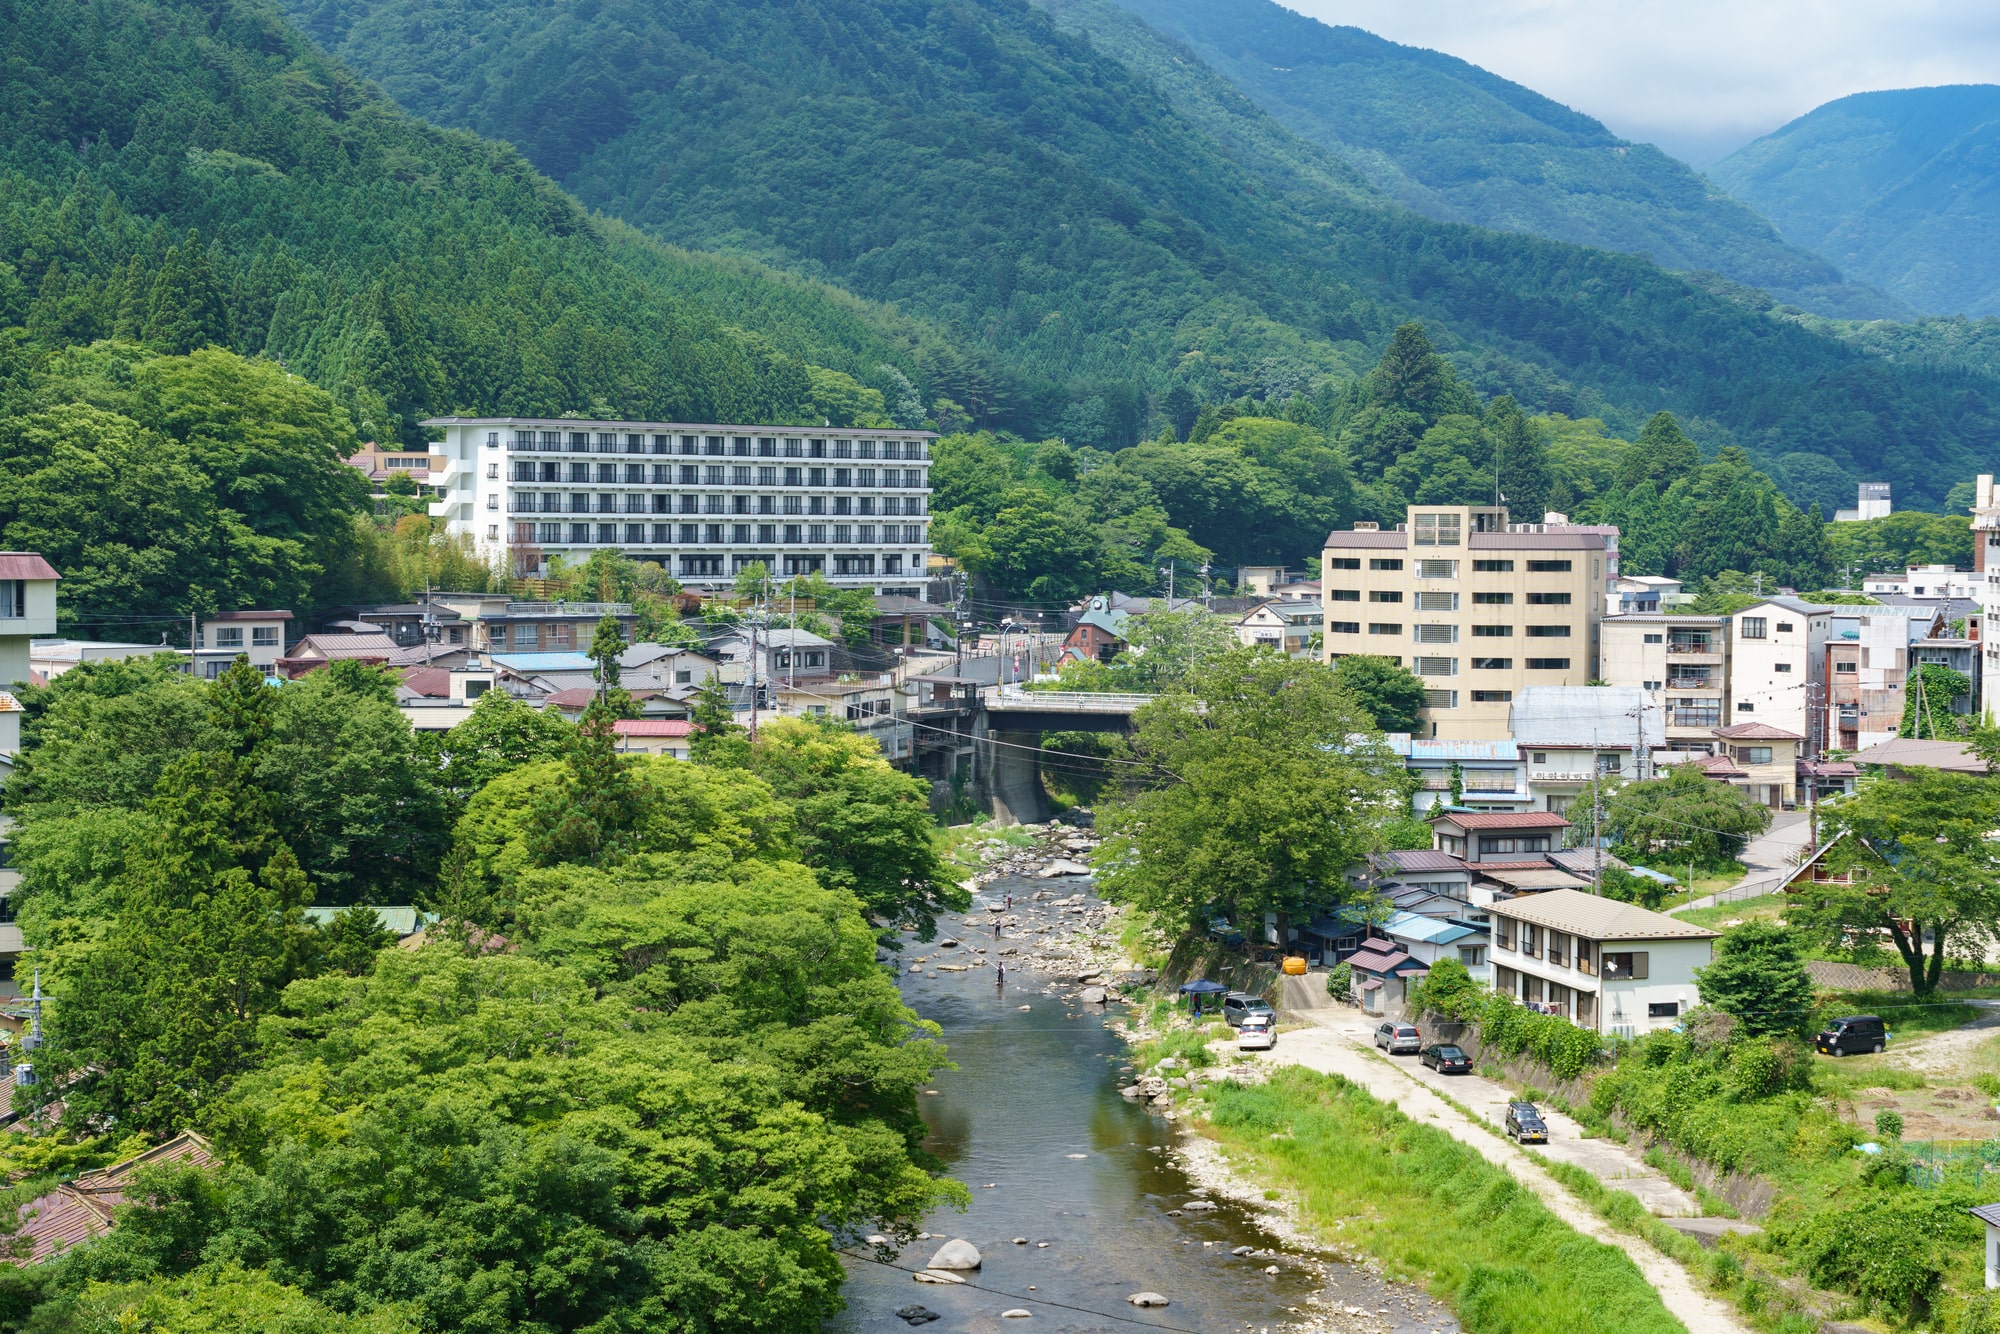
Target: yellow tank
{"points": [[1294, 966]]}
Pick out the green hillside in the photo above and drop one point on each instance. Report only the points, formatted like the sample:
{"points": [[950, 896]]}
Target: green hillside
{"points": [[1899, 188], [1052, 207], [409, 270], [1456, 142]]}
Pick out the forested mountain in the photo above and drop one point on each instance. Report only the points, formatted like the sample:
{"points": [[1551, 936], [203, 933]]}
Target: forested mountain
{"points": [[1459, 143], [202, 166], [1900, 188], [1051, 206]]}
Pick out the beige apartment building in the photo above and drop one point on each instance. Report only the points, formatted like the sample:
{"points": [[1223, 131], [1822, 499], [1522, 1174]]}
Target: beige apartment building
{"points": [[1478, 607]]}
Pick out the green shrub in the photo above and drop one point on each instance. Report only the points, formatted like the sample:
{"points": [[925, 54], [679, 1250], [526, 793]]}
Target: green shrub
{"points": [[1889, 1125], [1889, 1248], [1340, 980]]}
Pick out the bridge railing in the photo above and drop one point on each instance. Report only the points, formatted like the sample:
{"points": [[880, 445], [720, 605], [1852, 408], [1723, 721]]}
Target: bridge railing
{"points": [[1005, 698]]}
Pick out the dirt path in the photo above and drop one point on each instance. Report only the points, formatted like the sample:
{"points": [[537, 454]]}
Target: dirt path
{"points": [[1948, 1053], [1767, 860], [1334, 1048]]}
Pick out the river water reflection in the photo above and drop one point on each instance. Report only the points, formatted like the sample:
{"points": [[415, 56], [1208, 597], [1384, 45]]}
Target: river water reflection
{"points": [[1034, 1089]]}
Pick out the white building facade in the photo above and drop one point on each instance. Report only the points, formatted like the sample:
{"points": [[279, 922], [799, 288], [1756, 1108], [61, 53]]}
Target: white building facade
{"points": [[1611, 967], [705, 501]]}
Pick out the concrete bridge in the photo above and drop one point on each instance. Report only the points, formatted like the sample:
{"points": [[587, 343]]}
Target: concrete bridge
{"points": [[1007, 741]]}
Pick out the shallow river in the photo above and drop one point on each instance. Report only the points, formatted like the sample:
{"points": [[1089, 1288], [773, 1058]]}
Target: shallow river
{"points": [[1031, 1120]]}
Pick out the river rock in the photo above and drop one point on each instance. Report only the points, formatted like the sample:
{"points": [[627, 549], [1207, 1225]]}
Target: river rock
{"points": [[1244, 1250], [1196, 1206], [958, 1253], [1018, 1313], [1147, 1299], [917, 1315], [1020, 1241], [1062, 866], [1270, 1269], [936, 1276], [1131, 1091], [877, 1240], [946, 943], [1092, 996]]}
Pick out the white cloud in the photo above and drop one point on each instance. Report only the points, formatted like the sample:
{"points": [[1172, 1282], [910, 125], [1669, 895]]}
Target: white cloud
{"points": [[1697, 77]]}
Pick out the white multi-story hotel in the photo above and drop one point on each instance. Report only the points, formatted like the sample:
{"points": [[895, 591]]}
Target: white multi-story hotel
{"points": [[705, 501]]}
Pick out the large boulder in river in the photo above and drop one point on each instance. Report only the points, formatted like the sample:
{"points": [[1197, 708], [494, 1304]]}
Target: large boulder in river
{"points": [[1092, 996], [1147, 1299], [957, 1253]]}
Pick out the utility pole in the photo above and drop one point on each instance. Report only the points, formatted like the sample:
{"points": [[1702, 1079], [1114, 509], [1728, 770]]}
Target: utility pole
{"points": [[1207, 589], [194, 638], [1168, 570], [753, 679], [1596, 815]]}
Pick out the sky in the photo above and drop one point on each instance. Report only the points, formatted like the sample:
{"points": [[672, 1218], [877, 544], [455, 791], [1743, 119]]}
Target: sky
{"points": [[1700, 78]]}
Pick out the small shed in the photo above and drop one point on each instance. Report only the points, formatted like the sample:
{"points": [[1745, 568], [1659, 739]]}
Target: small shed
{"points": [[1989, 1214]]}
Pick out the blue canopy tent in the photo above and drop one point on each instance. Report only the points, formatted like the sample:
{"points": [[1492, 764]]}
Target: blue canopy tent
{"points": [[1202, 987]]}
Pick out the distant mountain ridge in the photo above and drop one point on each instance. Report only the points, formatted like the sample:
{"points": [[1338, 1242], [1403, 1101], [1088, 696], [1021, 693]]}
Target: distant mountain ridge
{"points": [[1900, 188], [1461, 144]]}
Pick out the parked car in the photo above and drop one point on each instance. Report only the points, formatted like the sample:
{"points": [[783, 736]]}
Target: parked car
{"points": [[1853, 1035], [1259, 1032], [1239, 1005], [1524, 1124], [1446, 1058], [1399, 1039]]}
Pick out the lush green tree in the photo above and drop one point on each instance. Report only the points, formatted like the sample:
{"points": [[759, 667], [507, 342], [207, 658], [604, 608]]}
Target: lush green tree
{"points": [[500, 734], [1662, 454], [1390, 693], [350, 940], [1925, 873], [861, 825], [1256, 798], [1758, 977], [1167, 649], [186, 310], [224, 1299], [1684, 814], [718, 738], [1037, 554], [1898, 541]]}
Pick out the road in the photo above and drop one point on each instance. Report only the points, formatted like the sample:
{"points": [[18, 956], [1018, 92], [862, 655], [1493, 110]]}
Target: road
{"points": [[1339, 1043], [1767, 858]]}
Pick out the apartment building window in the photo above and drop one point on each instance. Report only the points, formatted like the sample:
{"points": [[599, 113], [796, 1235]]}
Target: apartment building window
{"points": [[912, 532], [1754, 627], [1385, 563], [1654, 639], [1492, 664], [1652, 685], [1548, 599], [793, 533], [1343, 562], [1558, 947], [690, 533], [524, 470], [1440, 699], [1585, 956], [1472, 956], [1503, 933], [815, 477], [767, 533], [1493, 566], [607, 533], [700, 565], [1346, 594], [1492, 696], [266, 636], [1843, 667], [1437, 569], [227, 636], [493, 501], [1436, 530], [1492, 599], [1492, 845], [1548, 664], [607, 474], [579, 533], [635, 534], [1625, 965], [1781, 666], [767, 447], [1430, 601], [1745, 707], [713, 446], [1531, 943], [1437, 666], [1492, 632], [1695, 713], [1548, 567], [712, 474], [843, 505], [1548, 632], [843, 532], [579, 472], [1437, 634], [1343, 627], [816, 534], [1385, 627], [1380, 595], [767, 476], [663, 533], [864, 477], [662, 504], [815, 504], [549, 534], [690, 475]]}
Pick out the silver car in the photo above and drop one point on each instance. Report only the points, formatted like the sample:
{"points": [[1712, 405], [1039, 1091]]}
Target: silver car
{"points": [[1399, 1039], [1259, 1032]]}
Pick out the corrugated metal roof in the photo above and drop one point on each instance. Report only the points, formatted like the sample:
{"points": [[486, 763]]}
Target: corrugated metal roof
{"points": [[401, 921], [25, 565], [1391, 539], [1505, 819], [544, 662], [653, 727]]}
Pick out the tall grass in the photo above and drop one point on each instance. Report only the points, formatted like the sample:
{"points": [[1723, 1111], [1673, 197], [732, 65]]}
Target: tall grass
{"points": [[1433, 1209]]}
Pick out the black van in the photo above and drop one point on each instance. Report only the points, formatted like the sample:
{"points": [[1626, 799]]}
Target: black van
{"points": [[1853, 1035]]}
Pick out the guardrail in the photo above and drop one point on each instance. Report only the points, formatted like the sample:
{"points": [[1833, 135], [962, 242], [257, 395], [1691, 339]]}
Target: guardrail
{"points": [[1005, 698]]}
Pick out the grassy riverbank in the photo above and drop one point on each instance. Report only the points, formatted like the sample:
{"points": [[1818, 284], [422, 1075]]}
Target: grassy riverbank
{"points": [[1366, 1176]]}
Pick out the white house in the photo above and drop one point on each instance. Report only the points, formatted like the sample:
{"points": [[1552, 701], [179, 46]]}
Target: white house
{"points": [[27, 610], [1777, 652], [654, 736], [224, 637], [1284, 626], [1608, 966]]}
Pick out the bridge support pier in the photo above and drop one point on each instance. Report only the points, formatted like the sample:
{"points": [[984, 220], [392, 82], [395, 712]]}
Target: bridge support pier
{"points": [[1013, 777]]}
